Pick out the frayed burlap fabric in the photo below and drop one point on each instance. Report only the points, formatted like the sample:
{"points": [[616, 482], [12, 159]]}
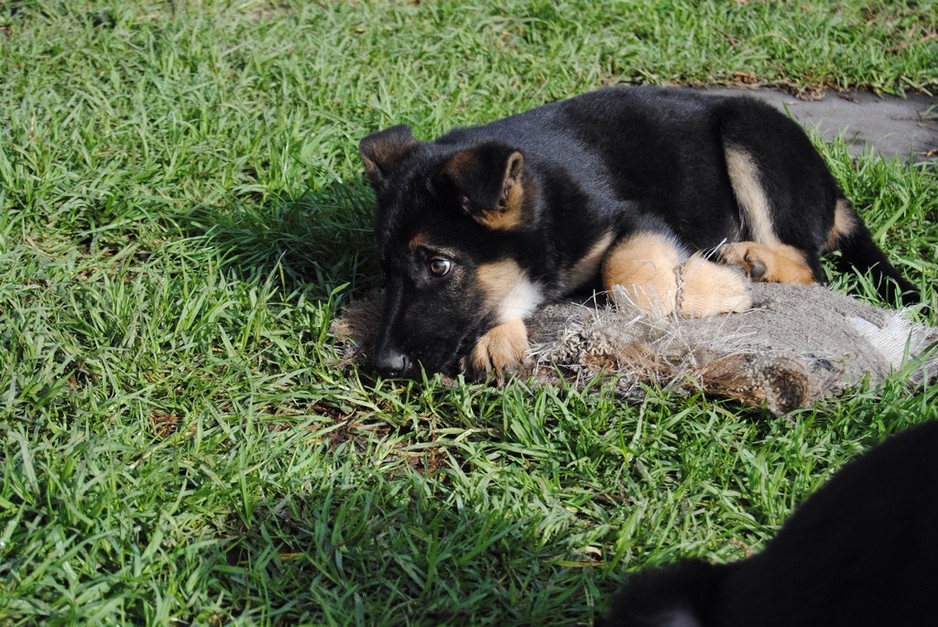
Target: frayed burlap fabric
{"points": [[797, 345]]}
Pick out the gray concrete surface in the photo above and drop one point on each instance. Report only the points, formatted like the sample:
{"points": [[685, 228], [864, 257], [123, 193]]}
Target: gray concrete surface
{"points": [[894, 127]]}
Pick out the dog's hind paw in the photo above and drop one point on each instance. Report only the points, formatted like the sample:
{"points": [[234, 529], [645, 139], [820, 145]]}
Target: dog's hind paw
{"points": [[500, 350], [770, 263]]}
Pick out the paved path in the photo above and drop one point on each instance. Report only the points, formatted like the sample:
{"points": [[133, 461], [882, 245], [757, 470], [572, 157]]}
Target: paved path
{"points": [[907, 128]]}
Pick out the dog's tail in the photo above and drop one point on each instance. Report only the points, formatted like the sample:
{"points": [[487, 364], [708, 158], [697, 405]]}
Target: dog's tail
{"points": [[858, 250]]}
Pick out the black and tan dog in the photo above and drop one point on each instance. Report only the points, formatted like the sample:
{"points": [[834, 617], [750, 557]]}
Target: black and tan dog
{"points": [[482, 226]]}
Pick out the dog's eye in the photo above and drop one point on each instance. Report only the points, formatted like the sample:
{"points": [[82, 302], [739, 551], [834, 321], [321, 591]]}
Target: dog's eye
{"points": [[440, 266]]}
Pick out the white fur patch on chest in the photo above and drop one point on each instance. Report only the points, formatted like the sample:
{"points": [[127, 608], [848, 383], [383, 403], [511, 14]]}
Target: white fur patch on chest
{"points": [[522, 301], [510, 294]]}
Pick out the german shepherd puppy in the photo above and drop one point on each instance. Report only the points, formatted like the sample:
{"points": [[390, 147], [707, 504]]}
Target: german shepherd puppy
{"points": [[861, 551], [630, 185]]}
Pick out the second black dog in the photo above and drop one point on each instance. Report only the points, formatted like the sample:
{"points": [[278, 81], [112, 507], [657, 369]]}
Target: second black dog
{"points": [[861, 551]]}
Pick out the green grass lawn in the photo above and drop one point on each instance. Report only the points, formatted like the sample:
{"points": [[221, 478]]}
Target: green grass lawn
{"points": [[181, 213]]}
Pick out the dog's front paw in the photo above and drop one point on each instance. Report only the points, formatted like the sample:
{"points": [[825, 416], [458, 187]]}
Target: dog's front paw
{"points": [[761, 262], [705, 288], [500, 350]]}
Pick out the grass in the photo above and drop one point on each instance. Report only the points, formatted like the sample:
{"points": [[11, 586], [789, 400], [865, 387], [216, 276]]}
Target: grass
{"points": [[181, 213]]}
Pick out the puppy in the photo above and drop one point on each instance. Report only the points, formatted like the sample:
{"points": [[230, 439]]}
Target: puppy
{"points": [[669, 196], [861, 551]]}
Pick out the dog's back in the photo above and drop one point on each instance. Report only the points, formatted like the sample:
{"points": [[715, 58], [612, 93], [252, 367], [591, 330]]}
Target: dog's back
{"points": [[862, 551]]}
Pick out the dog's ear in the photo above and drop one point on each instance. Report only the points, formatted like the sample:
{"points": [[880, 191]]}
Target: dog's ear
{"points": [[488, 183], [383, 151]]}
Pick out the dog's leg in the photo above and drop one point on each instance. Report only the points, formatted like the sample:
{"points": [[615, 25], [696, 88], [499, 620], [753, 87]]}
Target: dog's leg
{"points": [[511, 296], [765, 257], [774, 263], [656, 274], [643, 265], [500, 349]]}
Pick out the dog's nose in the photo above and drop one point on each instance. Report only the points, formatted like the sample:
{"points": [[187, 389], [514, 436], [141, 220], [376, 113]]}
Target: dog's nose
{"points": [[392, 363]]}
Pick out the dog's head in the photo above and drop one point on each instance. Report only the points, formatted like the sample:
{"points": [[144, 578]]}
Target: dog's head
{"points": [[451, 226]]}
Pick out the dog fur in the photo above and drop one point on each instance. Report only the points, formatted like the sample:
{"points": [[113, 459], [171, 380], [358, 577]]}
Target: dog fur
{"points": [[861, 551], [669, 196]]}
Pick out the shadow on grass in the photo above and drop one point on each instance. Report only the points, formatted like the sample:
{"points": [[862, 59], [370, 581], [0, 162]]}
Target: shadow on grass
{"points": [[389, 551], [319, 239]]}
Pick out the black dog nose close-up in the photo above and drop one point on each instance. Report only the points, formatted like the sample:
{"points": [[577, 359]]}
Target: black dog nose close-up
{"points": [[392, 363]]}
